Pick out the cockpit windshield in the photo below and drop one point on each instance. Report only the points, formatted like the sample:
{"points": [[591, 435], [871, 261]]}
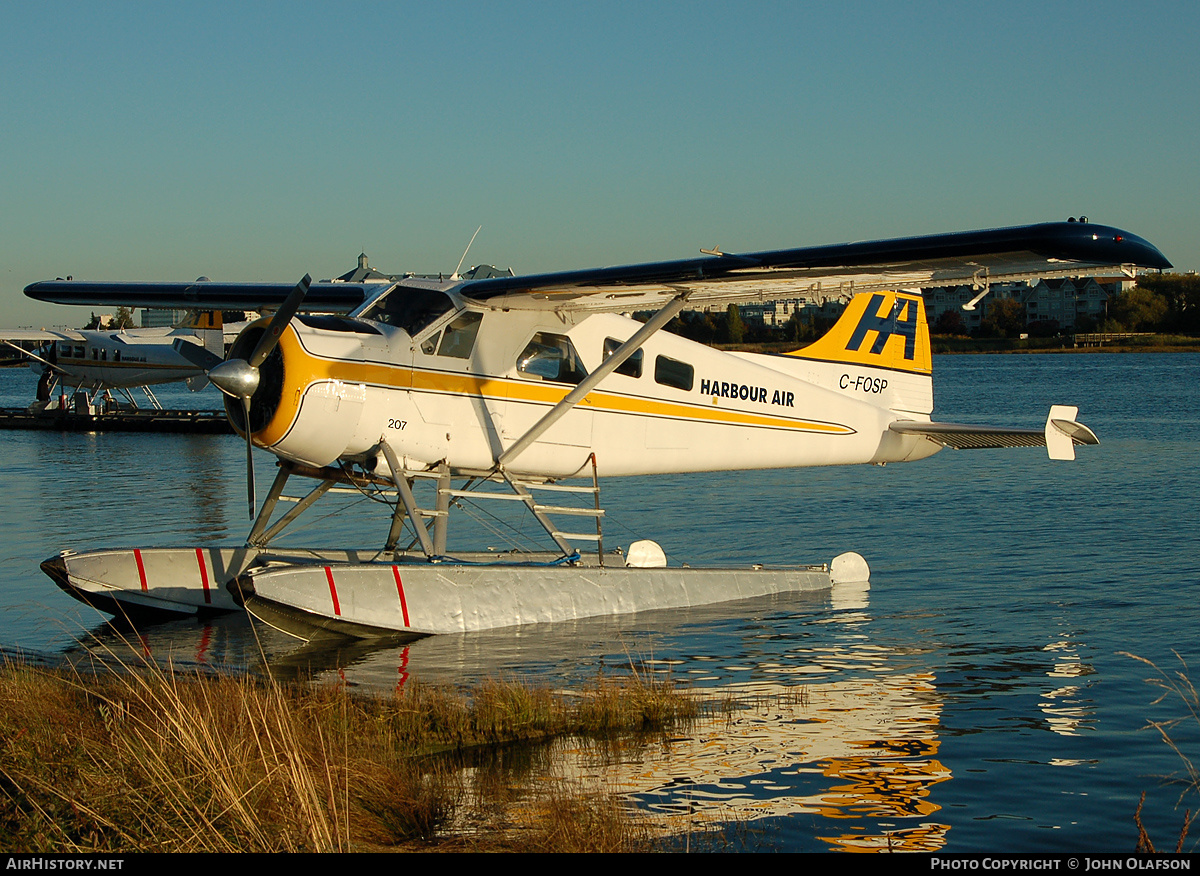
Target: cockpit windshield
{"points": [[409, 308]]}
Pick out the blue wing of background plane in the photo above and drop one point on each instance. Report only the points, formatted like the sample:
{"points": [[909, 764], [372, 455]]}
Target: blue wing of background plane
{"points": [[326, 297]]}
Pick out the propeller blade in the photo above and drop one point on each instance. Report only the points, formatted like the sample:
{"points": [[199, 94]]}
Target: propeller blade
{"points": [[279, 322], [238, 378], [249, 455]]}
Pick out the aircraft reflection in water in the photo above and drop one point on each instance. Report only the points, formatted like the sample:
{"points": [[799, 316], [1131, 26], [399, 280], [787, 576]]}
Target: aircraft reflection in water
{"points": [[858, 752], [1067, 708], [855, 752]]}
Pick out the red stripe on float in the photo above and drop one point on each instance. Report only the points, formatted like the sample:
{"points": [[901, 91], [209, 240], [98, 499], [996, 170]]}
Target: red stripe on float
{"points": [[400, 590], [137, 555], [337, 608], [203, 576]]}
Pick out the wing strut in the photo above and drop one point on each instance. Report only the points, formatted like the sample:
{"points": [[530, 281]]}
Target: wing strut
{"points": [[607, 367], [34, 356], [407, 500]]}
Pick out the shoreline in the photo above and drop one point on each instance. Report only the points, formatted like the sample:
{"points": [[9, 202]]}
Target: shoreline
{"points": [[138, 758], [962, 346], [1115, 348]]}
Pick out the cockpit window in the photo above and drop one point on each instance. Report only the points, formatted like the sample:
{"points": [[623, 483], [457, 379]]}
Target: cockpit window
{"points": [[410, 309], [457, 339], [551, 357]]}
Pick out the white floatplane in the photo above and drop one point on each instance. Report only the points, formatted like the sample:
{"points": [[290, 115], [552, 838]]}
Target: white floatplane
{"points": [[519, 385], [121, 359], [124, 359]]}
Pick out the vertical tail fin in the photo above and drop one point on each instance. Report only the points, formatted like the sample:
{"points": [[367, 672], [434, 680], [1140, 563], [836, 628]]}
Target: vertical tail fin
{"points": [[880, 329], [201, 319], [208, 326]]}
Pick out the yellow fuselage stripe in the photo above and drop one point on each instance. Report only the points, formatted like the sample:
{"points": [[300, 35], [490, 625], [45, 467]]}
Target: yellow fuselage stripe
{"points": [[302, 369]]}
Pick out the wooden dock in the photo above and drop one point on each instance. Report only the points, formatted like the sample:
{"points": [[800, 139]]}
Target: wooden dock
{"points": [[148, 420]]}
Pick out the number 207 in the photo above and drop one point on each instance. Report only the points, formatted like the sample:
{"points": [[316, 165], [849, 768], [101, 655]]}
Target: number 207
{"points": [[396, 424]]}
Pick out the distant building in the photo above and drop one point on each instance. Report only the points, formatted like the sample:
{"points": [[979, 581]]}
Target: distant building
{"points": [[1067, 299], [776, 314], [364, 273], [1062, 299]]}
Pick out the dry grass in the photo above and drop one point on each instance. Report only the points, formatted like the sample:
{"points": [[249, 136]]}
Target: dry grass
{"points": [[154, 760], [1176, 687]]}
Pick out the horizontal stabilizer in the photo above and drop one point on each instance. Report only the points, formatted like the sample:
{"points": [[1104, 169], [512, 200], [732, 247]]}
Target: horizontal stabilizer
{"points": [[203, 359], [1059, 437]]}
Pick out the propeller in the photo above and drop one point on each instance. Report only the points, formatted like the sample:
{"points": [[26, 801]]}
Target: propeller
{"points": [[238, 378]]}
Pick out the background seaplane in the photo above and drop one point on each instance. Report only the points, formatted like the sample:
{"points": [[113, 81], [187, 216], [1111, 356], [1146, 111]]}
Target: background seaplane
{"points": [[124, 359], [519, 383]]}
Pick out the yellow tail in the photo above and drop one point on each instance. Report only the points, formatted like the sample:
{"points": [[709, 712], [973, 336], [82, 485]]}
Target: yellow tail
{"points": [[884, 329], [201, 319]]}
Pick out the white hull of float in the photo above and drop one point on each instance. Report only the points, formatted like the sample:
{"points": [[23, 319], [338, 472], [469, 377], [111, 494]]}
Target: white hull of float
{"points": [[410, 599], [354, 593], [169, 581]]}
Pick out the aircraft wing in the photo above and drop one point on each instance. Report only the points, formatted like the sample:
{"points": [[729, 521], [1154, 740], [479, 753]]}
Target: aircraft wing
{"points": [[1059, 436], [204, 295], [997, 255], [41, 335]]}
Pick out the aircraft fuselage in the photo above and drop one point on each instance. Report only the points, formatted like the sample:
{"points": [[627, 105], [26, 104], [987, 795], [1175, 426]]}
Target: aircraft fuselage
{"points": [[467, 384]]}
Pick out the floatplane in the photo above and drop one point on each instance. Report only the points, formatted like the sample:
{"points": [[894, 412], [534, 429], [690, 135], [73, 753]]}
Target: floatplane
{"points": [[99, 360], [514, 389]]}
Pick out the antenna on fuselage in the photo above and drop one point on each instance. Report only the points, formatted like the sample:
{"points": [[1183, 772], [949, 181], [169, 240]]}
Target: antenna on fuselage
{"points": [[454, 276]]}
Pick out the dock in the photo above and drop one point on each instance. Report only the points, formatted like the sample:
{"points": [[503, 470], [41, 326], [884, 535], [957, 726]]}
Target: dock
{"points": [[139, 420]]}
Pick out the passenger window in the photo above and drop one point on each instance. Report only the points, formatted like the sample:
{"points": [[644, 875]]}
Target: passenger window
{"points": [[672, 372], [459, 338], [551, 357], [631, 367]]}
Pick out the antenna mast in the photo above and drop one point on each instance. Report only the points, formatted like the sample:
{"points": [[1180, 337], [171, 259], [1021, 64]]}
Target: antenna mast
{"points": [[454, 276]]}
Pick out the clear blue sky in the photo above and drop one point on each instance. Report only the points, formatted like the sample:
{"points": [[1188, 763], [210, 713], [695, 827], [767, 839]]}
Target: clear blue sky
{"points": [[258, 141]]}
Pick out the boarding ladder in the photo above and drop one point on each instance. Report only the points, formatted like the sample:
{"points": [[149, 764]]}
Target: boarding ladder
{"points": [[424, 520]]}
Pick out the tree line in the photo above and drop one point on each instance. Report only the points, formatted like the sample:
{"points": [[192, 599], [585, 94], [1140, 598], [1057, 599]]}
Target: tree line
{"points": [[707, 327], [1160, 303]]}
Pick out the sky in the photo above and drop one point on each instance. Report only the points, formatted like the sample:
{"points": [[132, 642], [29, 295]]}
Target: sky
{"points": [[259, 141]]}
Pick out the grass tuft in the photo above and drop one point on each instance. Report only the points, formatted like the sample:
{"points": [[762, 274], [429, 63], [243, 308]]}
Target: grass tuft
{"points": [[150, 759], [1175, 686]]}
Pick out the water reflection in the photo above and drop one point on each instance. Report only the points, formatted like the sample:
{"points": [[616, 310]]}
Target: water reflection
{"points": [[861, 756], [1068, 708]]}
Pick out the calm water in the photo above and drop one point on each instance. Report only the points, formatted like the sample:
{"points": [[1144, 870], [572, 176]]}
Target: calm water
{"points": [[976, 698]]}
